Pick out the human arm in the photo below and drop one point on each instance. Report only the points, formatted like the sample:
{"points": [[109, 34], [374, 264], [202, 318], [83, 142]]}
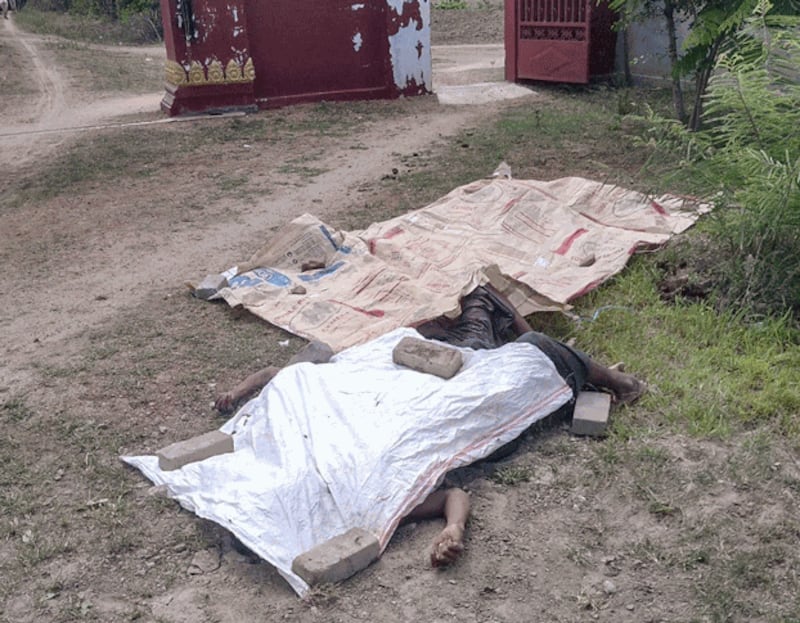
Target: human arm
{"points": [[313, 352], [228, 401]]}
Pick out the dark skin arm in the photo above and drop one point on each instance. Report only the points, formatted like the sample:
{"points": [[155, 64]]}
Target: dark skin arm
{"points": [[313, 352], [453, 505], [227, 401]]}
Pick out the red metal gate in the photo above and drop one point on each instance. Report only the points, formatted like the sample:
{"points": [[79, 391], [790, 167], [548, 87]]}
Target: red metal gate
{"points": [[558, 40], [304, 49]]}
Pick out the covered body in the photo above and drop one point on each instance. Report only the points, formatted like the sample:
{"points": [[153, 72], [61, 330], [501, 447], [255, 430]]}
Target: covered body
{"points": [[358, 442]]}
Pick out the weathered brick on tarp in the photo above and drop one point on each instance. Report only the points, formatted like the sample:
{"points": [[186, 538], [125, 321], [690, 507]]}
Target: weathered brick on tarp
{"points": [[198, 448], [591, 414], [428, 357], [338, 558]]}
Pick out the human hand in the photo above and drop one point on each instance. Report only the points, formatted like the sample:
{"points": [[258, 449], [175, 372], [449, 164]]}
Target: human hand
{"points": [[447, 546], [225, 402]]}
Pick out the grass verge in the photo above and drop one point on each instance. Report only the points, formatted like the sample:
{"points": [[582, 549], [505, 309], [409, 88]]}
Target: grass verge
{"points": [[76, 27]]}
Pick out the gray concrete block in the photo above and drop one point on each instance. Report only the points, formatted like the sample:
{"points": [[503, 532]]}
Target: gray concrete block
{"points": [[338, 558], [198, 448], [210, 286], [429, 357], [313, 352], [591, 414]]}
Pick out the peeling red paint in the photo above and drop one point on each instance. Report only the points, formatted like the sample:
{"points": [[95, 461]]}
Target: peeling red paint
{"points": [[411, 11], [413, 88]]}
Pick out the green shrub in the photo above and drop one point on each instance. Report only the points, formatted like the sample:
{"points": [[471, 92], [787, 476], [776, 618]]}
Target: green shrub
{"points": [[85, 23], [747, 158]]}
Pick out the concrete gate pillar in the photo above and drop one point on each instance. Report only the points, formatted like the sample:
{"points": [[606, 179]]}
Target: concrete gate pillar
{"points": [[208, 66]]}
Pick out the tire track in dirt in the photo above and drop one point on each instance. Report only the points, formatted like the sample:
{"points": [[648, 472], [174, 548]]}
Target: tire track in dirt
{"points": [[56, 113], [18, 147]]}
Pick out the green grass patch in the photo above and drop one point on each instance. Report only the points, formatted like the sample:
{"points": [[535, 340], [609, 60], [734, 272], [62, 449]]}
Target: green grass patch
{"points": [[110, 70], [450, 5], [709, 373], [76, 27], [16, 409], [15, 73], [512, 475]]}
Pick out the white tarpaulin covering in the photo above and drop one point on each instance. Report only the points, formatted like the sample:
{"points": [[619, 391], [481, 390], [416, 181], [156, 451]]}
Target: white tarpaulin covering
{"points": [[357, 442], [540, 243]]}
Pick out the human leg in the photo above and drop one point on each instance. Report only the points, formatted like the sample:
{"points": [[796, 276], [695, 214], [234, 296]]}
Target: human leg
{"points": [[572, 364], [625, 387], [578, 369], [482, 324]]}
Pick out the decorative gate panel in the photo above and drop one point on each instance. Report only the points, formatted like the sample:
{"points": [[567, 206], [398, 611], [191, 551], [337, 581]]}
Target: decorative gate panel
{"points": [[552, 39]]}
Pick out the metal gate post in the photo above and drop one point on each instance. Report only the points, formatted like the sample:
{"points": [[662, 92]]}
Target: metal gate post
{"points": [[511, 17]]}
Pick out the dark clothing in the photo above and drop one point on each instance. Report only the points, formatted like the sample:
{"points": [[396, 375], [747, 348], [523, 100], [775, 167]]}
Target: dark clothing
{"points": [[571, 364], [486, 322]]}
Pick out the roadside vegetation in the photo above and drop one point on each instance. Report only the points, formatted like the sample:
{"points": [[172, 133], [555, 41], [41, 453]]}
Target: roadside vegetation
{"points": [[94, 21]]}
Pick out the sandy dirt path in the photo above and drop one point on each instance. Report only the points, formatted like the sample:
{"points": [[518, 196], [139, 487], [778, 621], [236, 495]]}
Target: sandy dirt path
{"points": [[56, 111]]}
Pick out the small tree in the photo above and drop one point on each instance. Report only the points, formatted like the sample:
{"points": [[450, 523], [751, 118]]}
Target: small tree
{"points": [[632, 11], [753, 145], [714, 23]]}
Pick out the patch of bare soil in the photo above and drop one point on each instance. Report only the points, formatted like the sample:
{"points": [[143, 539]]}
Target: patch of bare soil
{"points": [[480, 22], [105, 353]]}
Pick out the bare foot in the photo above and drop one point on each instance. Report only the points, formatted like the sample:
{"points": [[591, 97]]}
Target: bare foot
{"points": [[447, 547], [635, 389]]}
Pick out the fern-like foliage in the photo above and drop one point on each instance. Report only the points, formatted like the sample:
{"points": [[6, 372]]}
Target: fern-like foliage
{"points": [[748, 157]]}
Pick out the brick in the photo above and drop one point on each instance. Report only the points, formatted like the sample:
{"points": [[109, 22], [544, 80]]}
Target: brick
{"points": [[428, 357], [338, 558], [195, 449], [313, 352], [591, 414]]}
